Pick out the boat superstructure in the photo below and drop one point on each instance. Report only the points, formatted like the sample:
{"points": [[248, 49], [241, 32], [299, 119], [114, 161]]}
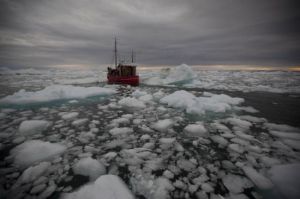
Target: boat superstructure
{"points": [[122, 73]]}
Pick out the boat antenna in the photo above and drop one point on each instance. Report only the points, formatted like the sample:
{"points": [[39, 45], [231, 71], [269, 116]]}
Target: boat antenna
{"points": [[116, 53]]}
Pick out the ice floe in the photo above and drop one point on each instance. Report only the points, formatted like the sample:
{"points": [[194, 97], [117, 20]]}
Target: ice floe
{"points": [[106, 186], [69, 116], [89, 167], [199, 105], [131, 102], [30, 127], [162, 125], [34, 172], [197, 130], [258, 179], [34, 151], [55, 92]]}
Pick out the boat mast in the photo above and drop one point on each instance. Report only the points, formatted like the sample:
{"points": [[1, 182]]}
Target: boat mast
{"points": [[116, 55], [132, 60]]}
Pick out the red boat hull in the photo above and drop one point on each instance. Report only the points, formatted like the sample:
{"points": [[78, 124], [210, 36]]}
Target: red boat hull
{"points": [[130, 80]]}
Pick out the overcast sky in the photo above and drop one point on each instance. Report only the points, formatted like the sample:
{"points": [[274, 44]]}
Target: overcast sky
{"points": [[40, 33]]}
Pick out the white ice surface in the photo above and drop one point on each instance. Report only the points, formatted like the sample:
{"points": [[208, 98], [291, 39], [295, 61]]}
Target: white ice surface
{"points": [[69, 116], [162, 125], [131, 102], [258, 179], [176, 75], [30, 127], [55, 92], [34, 151], [34, 172], [89, 167], [199, 105], [105, 187], [197, 130], [120, 131]]}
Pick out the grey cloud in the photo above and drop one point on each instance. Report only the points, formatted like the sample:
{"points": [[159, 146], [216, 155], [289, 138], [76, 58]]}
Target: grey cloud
{"points": [[44, 33]]}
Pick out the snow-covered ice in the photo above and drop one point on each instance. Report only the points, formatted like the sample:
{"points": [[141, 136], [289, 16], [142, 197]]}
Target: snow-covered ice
{"points": [[55, 92], [106, 186], [200, 105], [30, 127], [162, 125], [69, 116], [196, 130], [131, 102], [34, 151], [89, 167]]}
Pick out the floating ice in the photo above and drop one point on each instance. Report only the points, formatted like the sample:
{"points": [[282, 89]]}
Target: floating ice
{"points": [[287, 179], [120, 131], [162, 125], [139, 93], [258, 179], [235, 183], [219, 140], [89, 167], [199, 105], [288, 135], [181, 74], [55, 92], [106, 186], [186, 165], [32, 173], [163, 186], [240, 124], [197, 130], [295, 144], [34, 151], [80, 122], [30, 127], [69, 116], [131, 102], [236, 148], [281, 127]]}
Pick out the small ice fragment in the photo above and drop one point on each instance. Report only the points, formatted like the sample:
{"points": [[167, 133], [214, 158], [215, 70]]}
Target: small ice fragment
{"points": [[80, 122], [70, 116], [120, 131]]}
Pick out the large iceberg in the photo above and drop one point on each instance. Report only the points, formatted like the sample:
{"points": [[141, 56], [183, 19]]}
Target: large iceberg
{"points": [[181, 74], [106, 187], [55, 92]]}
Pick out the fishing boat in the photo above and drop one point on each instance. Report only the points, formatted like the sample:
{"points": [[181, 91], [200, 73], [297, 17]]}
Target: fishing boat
{"points": [[122, 73]]}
